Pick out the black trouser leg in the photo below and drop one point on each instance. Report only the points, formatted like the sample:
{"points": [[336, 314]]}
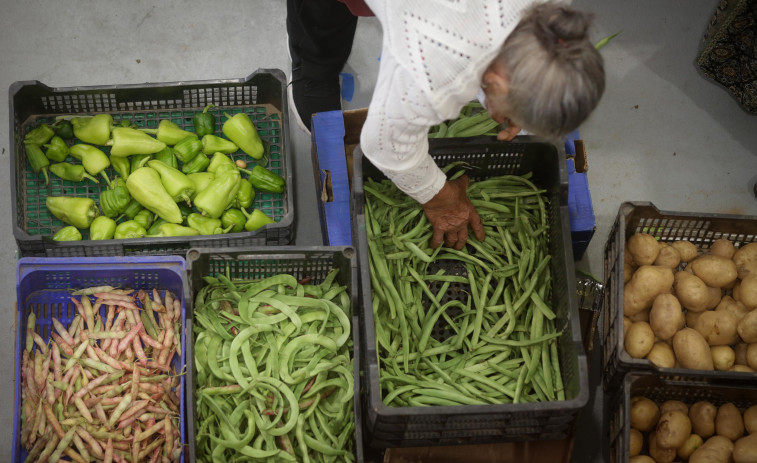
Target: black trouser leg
{"points": [[320, 36], [320, 41]]}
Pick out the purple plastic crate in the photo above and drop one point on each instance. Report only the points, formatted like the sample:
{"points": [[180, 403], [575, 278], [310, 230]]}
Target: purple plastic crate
{"points": [[43, 286]]}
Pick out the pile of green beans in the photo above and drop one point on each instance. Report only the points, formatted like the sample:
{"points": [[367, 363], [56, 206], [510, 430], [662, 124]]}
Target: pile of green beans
{"points": [[274, 370], [502, 342]]}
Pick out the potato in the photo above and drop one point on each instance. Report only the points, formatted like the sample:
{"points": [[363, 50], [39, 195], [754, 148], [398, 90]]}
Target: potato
{"points": [[641, 459], [740, 349], [662, 355], [644, 413], [742, 369], [692, 350], [715, 271], [666, 316], [686, 250], [728, 422], [691, 291], [674, 405], [635, 442], [660, 454], [692, 317], [750, 419], [642, 316], [692, 443], [639, 340], [627, 272], [628, 258], [718, 328], [644, 248], [647, 282], [627, 322], [747, 327], [716, 449], [748, 291], [729, 304], [668, 257], [751, 356], [722, 247], [745, 259], [702, 415], [716, 295], [673, 429], [745, 449], [723, 357]]}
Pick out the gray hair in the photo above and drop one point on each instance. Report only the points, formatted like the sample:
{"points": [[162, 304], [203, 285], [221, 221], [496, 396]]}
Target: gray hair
{"points": [[555, 81]]}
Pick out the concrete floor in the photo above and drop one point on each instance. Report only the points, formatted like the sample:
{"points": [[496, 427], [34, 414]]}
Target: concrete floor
{"points": [[662, 133]]}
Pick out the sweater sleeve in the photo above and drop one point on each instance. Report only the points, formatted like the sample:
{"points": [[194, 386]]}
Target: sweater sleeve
{"points": [[395, 134]]}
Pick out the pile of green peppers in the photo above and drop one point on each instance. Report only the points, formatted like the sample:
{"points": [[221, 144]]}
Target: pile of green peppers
{"points": [[168, 181]]}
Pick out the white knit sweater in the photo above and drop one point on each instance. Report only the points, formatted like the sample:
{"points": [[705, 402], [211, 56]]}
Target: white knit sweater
{"points": [[433, 56]]}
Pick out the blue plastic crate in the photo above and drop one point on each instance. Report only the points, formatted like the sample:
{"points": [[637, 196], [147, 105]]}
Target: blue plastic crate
{"points": [[43, 286]]}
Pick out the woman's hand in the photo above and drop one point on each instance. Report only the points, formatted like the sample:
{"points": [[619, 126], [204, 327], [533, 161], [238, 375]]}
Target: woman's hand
{"points": [[450, 212], [510, 132]]}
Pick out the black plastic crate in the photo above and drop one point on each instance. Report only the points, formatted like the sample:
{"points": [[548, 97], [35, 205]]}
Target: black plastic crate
{"points": [[469, 424], [261, 262], [660, 389], [262, 96], [643, 217]]}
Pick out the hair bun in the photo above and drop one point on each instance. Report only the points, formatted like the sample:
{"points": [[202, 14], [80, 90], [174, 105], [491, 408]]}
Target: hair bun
{"points": [[561, 23]]}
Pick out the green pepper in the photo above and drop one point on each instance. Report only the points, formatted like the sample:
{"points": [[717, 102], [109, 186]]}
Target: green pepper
{"points": [[233, 218], [220, 162], [57, 149], [169, 132], [243, 133], [167, 157], [155, 226], [69, 233], [204, 122], [144, 218], [127, 141], [198, 164], [214, 144], [172, 229], [129, 229], [92, 158], [40, 135], [120, 165], [102, 228], [133, 208], [187, 149], [185, 210], [206, 225], [63, 129], [79, 212], [139, 160], [95, 129], [219, 193], [37, 160], [178, 185], [201, 180], [264, 180], [256, 220], [71, 172], [115, 199], [145, 186], [245, 195]]}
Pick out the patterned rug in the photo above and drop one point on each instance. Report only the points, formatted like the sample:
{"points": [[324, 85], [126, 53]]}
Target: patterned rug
{"points": [[728, 55]]}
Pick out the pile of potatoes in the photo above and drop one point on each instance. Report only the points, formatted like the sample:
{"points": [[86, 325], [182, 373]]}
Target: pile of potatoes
{"points": [[683, 309], [702, 433]]}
